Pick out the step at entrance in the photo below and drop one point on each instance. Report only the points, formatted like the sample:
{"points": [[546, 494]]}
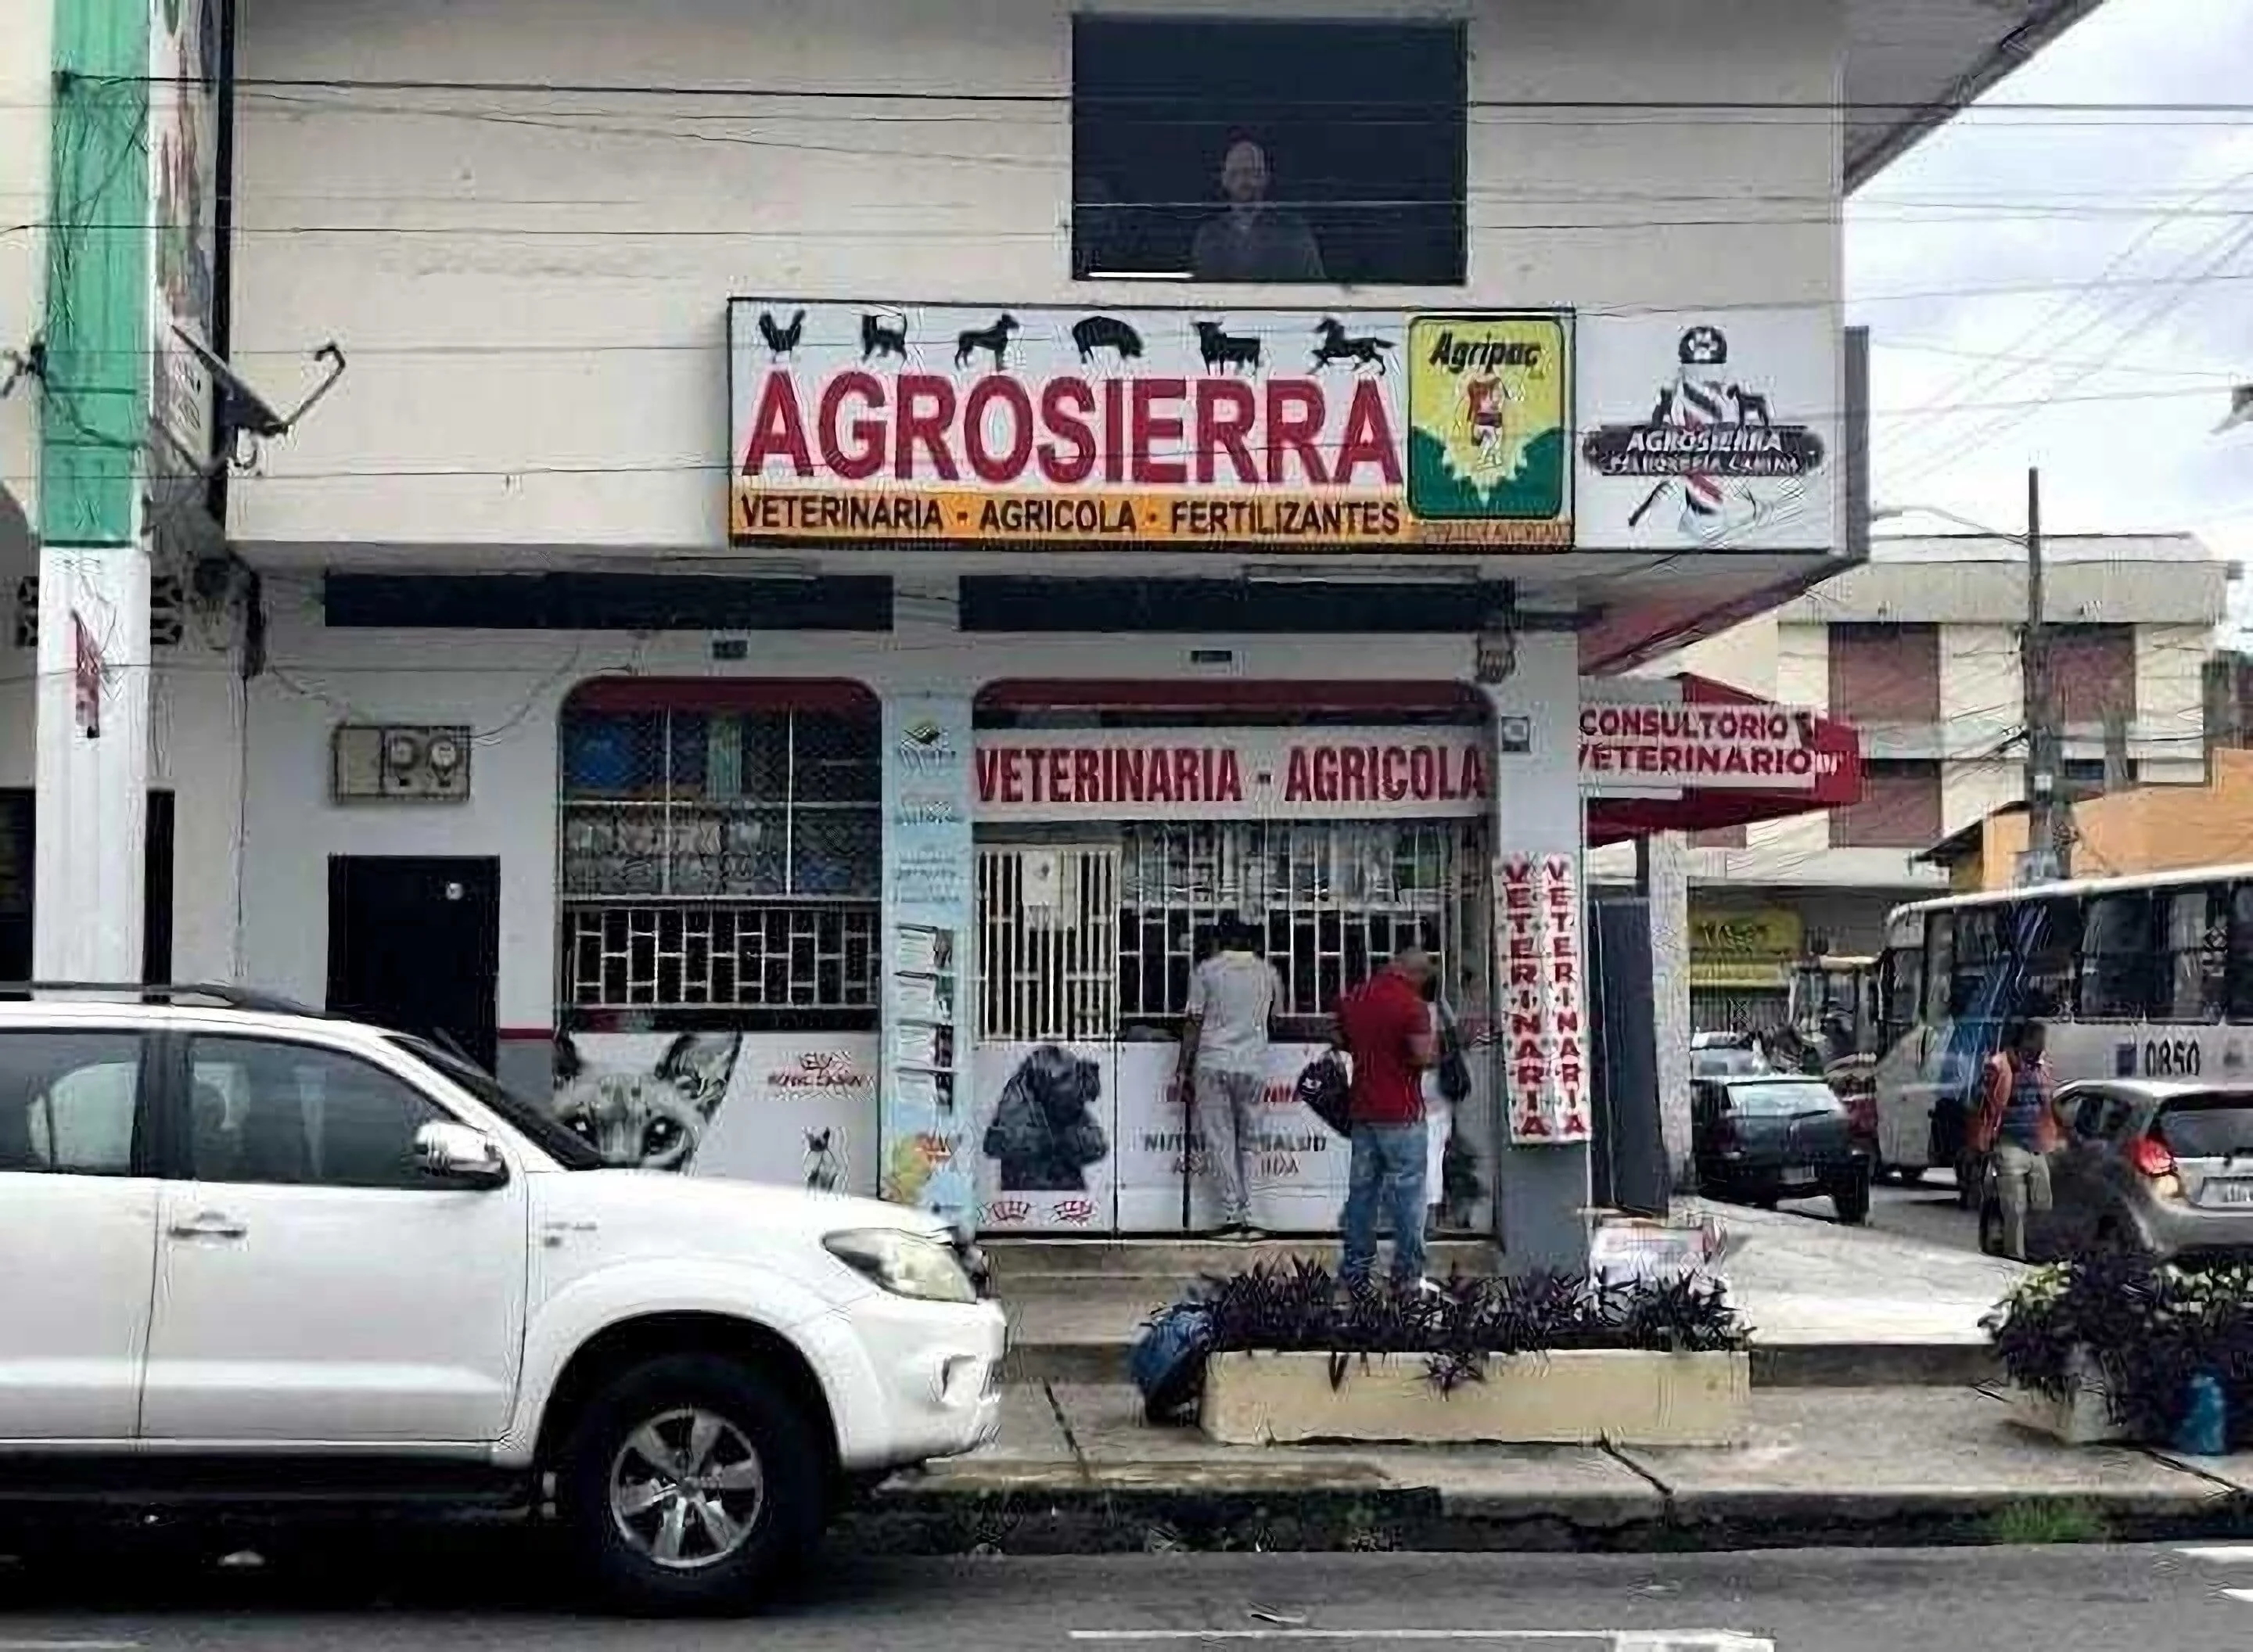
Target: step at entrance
{"points": [[1051, 1263]]}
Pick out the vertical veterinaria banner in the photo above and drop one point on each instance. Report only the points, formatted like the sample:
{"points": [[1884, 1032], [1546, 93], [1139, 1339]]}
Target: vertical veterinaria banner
{"points": [[928, 860], [1539, 973]]}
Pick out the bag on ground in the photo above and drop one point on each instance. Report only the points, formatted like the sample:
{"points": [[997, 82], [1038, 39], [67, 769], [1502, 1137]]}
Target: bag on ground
{"points": [[1167, 1359]]}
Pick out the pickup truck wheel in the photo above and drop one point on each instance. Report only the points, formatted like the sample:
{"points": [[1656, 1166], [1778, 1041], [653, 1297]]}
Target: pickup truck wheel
{"points": [[689, 1482]]}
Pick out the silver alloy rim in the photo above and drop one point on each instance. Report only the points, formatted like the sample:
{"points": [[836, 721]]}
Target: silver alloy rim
{"points": [[687, 1489]]}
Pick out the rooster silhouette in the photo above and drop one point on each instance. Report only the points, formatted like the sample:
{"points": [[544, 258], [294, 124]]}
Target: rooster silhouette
{"points": [[782, 341]]}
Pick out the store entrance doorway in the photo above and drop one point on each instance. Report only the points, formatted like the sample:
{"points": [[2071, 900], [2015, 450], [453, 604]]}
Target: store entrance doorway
{"points": [[414, 945]]}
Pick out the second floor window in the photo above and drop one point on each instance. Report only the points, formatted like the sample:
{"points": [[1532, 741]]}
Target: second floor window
{"points": [[1227, 151]]}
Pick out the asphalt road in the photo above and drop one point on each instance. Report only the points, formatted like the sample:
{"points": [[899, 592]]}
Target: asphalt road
{"points": [[2061, 1600], [1926, 1212]]}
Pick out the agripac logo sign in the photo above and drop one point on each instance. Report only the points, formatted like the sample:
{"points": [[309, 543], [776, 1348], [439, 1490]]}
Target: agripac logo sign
{"points": [[947, 424]]}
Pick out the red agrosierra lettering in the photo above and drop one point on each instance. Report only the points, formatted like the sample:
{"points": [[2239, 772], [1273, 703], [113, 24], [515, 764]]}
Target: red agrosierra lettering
{"points": [[1067, 431]]}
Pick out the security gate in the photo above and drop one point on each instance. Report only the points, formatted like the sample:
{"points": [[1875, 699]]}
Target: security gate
{"points": [[1047, 925]]}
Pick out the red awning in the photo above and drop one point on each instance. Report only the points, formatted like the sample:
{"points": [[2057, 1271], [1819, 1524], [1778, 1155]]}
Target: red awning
{"points": [[1834, 779]]}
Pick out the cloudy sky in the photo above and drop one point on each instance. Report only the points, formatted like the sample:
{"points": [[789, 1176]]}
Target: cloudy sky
{"points": [[2137, 229]]}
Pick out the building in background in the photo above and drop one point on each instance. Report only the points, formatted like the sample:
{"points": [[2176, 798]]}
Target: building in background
{"points": [[2148, 828], [1919, 648]]}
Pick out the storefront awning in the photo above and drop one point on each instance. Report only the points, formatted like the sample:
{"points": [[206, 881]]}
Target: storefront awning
{"points": [[1673, 754]]}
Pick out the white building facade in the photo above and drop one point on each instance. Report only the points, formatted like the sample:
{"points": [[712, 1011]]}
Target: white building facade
{"points": [[799, 730]]}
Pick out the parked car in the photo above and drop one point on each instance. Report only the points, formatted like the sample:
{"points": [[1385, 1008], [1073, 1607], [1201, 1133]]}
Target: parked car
{"points": [[374, 1268], [1721, 1055], [2163, 1169], [1760, 1138]]}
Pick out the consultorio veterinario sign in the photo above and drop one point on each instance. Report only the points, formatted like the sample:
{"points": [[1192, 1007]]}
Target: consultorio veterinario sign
{"points": [[945, 423]]}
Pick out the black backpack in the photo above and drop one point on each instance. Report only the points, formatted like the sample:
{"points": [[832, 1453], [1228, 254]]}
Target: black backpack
{"points": [[1324, 1089]]}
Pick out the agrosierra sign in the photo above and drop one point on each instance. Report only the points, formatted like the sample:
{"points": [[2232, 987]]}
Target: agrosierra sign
{"points": [[945, 423]]}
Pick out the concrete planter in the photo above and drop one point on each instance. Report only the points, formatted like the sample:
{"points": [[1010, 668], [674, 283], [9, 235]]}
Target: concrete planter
{"points": [[2083, 1417], [1623, 1396]]}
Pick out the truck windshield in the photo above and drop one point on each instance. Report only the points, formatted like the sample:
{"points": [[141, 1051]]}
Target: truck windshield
{"points": [[536, 1123]]}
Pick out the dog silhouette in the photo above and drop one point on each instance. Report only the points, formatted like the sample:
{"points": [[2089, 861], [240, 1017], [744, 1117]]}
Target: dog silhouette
{"points": [[1337, 344], [884, 333], [782, 341], [1043, 1134], [1220, 350], [1662, 409], [1099, 332], [993, 340], [1752, 407]]}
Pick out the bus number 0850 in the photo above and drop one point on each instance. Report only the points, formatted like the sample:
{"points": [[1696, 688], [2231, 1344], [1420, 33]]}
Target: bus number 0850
{"points": [[2170, 1058]]}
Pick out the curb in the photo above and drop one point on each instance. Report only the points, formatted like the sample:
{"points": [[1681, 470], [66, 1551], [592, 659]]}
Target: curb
{"points": [[1054, 1509], [1774, 1365]]}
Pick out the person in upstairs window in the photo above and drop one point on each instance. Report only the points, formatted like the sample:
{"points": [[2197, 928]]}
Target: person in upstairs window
{"points": [[1253, 239], [1385, 1026], [2016, 1122]]}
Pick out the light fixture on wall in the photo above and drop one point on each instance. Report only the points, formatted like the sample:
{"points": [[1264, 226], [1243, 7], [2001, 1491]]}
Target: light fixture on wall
{"points": [[1495, 651]]}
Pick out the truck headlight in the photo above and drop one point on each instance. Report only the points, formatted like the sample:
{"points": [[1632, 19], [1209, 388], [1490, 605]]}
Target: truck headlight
{"points": [[905, 1264]]}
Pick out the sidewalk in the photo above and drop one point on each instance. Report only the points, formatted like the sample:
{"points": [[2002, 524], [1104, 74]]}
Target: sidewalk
{"points": [[1076, 1470], [1827, 1305]]}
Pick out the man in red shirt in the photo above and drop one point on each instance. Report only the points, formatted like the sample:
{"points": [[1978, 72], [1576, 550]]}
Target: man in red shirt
{"points": [[1385, 1026]]}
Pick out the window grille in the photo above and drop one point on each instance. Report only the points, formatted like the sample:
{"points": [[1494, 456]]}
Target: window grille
{"points": [[719, 858], [1049, 926], [1335, 899], [621, 956]]}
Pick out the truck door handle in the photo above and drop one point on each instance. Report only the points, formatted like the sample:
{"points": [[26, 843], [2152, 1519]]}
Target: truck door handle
{"points": [[210, 1225]]}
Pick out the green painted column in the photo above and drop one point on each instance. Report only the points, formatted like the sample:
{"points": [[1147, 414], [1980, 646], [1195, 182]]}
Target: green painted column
{"points": [[91, 770], [96, 410]]}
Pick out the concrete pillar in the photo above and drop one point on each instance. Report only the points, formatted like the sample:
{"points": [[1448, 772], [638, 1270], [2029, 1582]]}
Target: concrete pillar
{"points": [[92, 766], [1662, 873], [1541, 1190]]}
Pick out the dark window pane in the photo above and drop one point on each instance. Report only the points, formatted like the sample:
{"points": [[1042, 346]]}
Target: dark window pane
{"points": [[67, 1101]]}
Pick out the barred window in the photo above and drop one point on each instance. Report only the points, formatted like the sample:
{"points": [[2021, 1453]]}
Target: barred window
{"points": [[721, 846]]}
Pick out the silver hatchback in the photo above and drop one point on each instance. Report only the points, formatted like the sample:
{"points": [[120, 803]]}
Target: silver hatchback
{"points": [[2165, 1170]]}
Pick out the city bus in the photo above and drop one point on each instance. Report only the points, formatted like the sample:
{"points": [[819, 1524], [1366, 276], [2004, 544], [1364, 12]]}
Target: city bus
{"points": [[2146, 976]]}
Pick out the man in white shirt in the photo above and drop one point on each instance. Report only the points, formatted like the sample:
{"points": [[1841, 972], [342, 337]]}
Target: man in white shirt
{"points": [[1234, 998]]}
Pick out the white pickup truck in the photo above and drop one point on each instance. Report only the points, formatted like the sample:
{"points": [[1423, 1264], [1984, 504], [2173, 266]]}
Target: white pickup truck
{"points": [[254, 1248]]}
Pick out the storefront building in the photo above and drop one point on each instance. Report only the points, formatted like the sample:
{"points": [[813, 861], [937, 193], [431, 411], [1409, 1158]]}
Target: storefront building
{"points": [[783, 636]]}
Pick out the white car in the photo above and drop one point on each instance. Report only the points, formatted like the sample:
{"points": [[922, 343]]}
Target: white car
{"points": [[252, 1246]]}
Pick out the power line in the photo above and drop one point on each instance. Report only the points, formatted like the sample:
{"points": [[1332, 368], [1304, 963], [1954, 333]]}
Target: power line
{"points": [[1080, 99]]}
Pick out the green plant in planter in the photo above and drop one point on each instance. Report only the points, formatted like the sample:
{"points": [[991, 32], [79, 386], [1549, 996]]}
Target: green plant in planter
{"points": [[1458, 1325], [2143, 1331]]}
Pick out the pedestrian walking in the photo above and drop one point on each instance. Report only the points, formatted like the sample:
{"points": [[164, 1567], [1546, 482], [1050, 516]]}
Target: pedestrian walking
{"points": [[2016, 1122], [1385, 1026], [1234, 998]]}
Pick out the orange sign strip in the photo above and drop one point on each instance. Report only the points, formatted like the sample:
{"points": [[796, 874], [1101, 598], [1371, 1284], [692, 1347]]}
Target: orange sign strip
{"points": [[960, 516]]}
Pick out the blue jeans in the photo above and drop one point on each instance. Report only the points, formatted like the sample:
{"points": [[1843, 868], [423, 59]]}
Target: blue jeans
{"points": [[1388, 1166]]}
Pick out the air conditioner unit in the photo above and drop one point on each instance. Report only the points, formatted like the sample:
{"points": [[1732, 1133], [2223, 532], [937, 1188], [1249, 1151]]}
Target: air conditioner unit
{"points": [[401, 762]]}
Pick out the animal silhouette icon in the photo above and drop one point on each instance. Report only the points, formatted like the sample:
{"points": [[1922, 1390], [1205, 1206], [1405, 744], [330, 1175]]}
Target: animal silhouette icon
{"points": [[994, 340], [883, 332], [1337, 344], [1663, 409], [1106, 332], [1752, 407], [825, 1160], [1223, 349], [782, 340]]}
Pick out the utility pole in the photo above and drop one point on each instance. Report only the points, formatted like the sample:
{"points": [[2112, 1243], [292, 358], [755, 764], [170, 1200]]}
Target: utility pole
{"points": [[2050, 828]]}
